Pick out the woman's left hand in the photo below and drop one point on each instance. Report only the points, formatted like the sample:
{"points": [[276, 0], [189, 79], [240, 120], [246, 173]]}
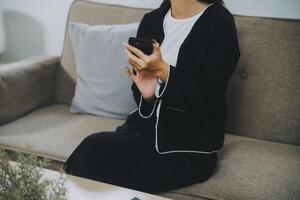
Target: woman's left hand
{"points": [[152, 63]]}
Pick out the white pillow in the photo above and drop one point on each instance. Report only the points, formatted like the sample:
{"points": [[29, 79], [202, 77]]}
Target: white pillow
{"points": [[102, 88]]}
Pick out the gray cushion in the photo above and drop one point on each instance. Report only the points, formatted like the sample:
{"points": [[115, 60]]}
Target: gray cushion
{"points": [[91, 13], [103, 88]]}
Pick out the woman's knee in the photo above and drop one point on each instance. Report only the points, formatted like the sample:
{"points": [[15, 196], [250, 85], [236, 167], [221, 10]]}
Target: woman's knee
{"points": [[81, 152], [92, 139]]}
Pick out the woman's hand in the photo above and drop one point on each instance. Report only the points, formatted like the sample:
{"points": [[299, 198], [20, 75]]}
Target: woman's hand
{"points": [[145, 82], [152, 63]]}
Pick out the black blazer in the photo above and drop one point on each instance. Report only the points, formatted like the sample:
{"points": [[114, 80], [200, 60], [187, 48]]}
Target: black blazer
{"points": [[190, 112]]}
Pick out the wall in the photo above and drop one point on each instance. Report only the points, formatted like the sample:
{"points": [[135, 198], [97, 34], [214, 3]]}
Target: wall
{"points": [[289, 9], [31, 27], [37, 27]]}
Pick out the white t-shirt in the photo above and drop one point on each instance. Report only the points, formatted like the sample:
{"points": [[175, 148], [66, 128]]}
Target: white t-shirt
{"points": [[175, 31]]}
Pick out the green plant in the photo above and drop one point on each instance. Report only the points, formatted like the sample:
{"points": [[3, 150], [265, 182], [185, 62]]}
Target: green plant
{"points": [[24, 179]]}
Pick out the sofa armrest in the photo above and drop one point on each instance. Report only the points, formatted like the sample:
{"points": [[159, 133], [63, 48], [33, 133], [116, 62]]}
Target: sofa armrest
{"points": [[26, 85]]}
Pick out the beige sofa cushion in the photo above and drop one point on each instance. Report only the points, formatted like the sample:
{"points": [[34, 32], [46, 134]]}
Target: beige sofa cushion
{"points": [[252, 169], [248, 168], [53, 131]]}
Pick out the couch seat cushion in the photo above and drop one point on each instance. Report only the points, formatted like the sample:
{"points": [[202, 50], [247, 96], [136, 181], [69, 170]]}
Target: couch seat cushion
{"points": [[53, 131], [247, 169], [252, 169]]}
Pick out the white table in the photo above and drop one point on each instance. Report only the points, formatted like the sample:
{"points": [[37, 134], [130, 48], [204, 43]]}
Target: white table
{"points": [[80, 188]]}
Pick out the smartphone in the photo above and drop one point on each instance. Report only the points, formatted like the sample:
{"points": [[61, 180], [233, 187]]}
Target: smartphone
{"points": [[143, 44]]}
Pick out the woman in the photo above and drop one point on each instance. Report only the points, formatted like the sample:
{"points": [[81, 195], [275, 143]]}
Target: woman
{"points": [[183, 82]]}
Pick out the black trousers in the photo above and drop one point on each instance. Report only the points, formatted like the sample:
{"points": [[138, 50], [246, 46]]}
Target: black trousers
{"points": [[127, 157]]}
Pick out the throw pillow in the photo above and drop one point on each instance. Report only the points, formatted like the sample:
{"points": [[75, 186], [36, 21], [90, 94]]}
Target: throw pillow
{"points": [[102, 88]]}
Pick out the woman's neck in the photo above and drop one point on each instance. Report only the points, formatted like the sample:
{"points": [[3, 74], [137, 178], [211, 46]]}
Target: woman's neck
{"points": [[182, 9]]}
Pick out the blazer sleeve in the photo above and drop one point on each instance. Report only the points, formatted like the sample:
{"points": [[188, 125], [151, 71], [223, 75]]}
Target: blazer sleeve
{"points": [[146, 109], [211, 79]]}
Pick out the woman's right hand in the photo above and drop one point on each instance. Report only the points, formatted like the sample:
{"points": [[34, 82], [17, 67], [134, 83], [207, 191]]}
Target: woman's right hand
{"points": [[145, 82]]}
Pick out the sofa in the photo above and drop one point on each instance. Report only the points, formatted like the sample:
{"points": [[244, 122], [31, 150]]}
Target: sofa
{"points": [[260, 158]]}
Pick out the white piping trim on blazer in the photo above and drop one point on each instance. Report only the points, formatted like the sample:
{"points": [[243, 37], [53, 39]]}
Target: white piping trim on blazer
{"points": [[172, 108], [156, 145], [139, 108], [133, 111], [157, 87], [159, 95]]}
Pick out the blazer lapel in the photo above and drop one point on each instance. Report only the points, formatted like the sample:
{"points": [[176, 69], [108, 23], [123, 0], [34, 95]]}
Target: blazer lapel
{"points": [[158, 30]]}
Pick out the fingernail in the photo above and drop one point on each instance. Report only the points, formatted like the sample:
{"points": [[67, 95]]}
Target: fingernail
{"points": [[125, 44]]}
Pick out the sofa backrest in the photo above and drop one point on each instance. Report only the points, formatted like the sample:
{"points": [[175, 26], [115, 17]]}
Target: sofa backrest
{"points": [[263, 95]]}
